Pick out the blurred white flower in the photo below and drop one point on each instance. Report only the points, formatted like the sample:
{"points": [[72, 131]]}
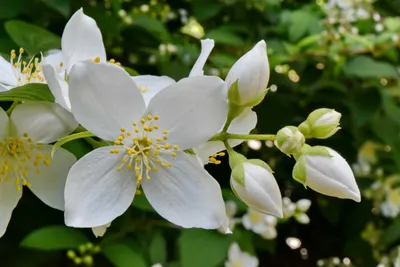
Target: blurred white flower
{"points": [[238, 258], [260, 223]]}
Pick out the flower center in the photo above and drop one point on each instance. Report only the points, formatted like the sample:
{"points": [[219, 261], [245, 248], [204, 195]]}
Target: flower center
{"points": [[18, 156], [30, 72], [255, 217], [142, 151], [213, 159]]}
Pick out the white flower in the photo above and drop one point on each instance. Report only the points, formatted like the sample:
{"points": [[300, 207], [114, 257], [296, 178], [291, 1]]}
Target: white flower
{"points": [[25, 156], [238, 258], [303, 205], [289, 208], [327, 172], [289, 140], [231, 209], [17, 72], [254, 183], [99, 231], [251, 72], [81, 40], [260, 223], [321, 123], [148, 148], [242, 124]]}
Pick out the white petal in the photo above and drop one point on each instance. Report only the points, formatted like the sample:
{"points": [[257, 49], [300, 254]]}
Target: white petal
{"points": [[206, 47], [150, 85], [44, 122], [192, 110], [185, 194], [95, 192], [9, 197], [55, 59], [331, 176], [58, 86], [99, 231], [81, 40], [242, 124], [252, 73], [7, 75], [4, 88], [4, 124], [261, 192], [49, 184], [104, 98], [234, 252]]}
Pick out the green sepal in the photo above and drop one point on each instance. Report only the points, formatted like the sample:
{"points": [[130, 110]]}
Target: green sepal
{"points": [[260, 163], [235, 158], [299, 172], [233, 93], [315, 151], [304, 128], [316, 114], [70, 138], [256, 101], [238, 174]]}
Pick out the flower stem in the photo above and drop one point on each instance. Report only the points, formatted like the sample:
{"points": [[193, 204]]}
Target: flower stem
{"points": [[11, 108], [226, 136]]}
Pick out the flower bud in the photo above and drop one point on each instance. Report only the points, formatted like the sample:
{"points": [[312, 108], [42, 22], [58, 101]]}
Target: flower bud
{"points": [[327, 172], [302, 218], [248, 78], [252, 182], [289, 140], [321, 123], [303, 205]]}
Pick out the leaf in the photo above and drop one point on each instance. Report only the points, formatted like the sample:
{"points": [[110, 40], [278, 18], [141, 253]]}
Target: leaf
{"points": [[365, 105], [61, 6], [391, 235], [78, 147], [54, 238], [28, 92], [10, 9], [223, 36], [32, 38], [199, 248], [153, 26], [300, 22], [366, 67], [203, 10], [391, 109], [131, 71], [69, 138], [123, 256], [158, 249]]}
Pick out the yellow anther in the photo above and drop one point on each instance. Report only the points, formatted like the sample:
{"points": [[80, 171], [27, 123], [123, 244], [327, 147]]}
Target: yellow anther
{"points": [[146, 128], [155, 127], [217, 162], [18, 188], [221, 154], [129, 166], [155, 168], [169, 164], [137, 168], [167, 146], [137, 159], [112, 61], [123, 160], [138, 192], [212, 159], [118, 169], [173, 154], [121, 137], [164, 165], [165, 138], [25, 134], [134, 123], [156, 153], [156, 117], [96, 60], [142, 121], [165, 132], [136, 130], [24, 182], [158, 160], [148, 177], [61, 64], [122, 129], [118, 64], [128, 133], [176, 147], [158, 139], [149, 117], [158, 147], [21, 50], [117, 142]]}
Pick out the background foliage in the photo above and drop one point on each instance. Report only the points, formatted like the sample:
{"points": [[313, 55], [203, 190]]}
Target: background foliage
{"points": [[320, 57]]}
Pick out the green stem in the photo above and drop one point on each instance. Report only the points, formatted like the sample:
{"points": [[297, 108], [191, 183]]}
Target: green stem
{"points": [[226, 136], [11, 108]]}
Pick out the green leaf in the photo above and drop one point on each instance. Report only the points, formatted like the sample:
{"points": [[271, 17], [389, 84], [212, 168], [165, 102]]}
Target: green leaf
{"points": [[28, 92], [131, 71], [158, 249], [78, 147], [204, 10], [223, 36], [32, 38], [199, 248], [54, 238], [366, 67], [69, 138], [153, 26], [10, 9], [61, 6], [123, 256], [142, 203], [300, 22], [392, 234]]}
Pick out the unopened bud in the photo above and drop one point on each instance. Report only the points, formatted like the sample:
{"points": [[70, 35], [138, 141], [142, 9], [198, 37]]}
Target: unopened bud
{"points": [[289, 140], [321, 123]]}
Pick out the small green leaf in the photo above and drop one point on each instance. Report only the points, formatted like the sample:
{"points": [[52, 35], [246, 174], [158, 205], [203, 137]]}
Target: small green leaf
{"points": [[196, 249], [158, 249], [32, 38], [123, 256], [223, 36], [61, 6], [69, 138], [366, 67], [28, 92], [392, 234], [131, 71], [54, 238]]}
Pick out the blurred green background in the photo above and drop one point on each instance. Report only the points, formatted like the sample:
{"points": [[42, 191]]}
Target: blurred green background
{"points": [[339, 54]]}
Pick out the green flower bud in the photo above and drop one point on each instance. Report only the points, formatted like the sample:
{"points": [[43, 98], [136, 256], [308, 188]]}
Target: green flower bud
{"points": [[322, 123], [71, 254], [88, 260], [289, 140]]}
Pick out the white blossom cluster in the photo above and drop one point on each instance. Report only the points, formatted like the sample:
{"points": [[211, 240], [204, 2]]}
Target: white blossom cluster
{"points": [[156, 136]]}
